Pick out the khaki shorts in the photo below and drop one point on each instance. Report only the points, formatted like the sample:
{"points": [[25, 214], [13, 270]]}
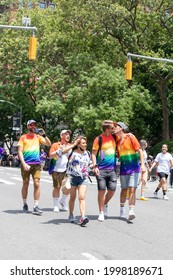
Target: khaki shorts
{"points": [[59, 179], [35, 171]]}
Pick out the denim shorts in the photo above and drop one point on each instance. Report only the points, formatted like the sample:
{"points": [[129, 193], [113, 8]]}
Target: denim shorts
{"points": [[130, 180], [78, 181], [106, 180]]}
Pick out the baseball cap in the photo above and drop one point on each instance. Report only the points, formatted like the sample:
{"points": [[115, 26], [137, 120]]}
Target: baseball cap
{"points": [[122, 125], [30, 122], [64, 131]]}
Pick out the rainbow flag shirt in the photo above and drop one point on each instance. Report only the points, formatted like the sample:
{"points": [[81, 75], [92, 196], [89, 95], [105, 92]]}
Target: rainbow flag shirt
{"points": [[128, 155], [31, 147], [106, 158]]}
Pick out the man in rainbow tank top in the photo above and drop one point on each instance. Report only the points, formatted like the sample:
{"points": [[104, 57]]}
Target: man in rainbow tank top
{"points": [[29, 155], [131, 162], [104, 162]]}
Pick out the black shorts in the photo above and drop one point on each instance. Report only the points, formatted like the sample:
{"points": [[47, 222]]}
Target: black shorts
{"points": [[107, 180], [162, 175]]}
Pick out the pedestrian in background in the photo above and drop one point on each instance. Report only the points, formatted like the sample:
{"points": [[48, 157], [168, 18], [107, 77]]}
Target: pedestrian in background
{"points": [[59, 153], [43, 156], [164, 162], [29, 155], [143, 177], [131, 163], [104, 162]]}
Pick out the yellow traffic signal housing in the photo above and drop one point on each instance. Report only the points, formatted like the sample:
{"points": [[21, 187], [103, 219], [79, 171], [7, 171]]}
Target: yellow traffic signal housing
{"points": [[128, 69], [32, 48]]}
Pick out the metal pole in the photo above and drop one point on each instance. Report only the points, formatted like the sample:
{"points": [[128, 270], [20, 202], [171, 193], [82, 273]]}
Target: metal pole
{"points": [[19, 27], [19, 107], [20, 120], [149, 57]]}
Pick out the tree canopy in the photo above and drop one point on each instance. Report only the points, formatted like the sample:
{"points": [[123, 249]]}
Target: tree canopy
{"points": [[77, 80]]}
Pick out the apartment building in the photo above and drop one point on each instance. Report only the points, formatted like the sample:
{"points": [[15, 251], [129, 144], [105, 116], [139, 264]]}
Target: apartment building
{"points": [[6, 6]]}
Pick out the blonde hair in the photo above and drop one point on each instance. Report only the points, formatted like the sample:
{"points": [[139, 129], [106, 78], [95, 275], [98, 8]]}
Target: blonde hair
{"points": [[143, 143]]}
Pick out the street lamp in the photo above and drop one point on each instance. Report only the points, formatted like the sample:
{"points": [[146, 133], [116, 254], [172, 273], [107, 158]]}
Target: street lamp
{"points": [[20, 108]]}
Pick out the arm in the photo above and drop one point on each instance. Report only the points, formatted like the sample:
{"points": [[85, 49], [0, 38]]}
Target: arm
{"points": [[57, 152], [152, 166], [46, 140], [69, 147], [143, 169], [95, 166]]}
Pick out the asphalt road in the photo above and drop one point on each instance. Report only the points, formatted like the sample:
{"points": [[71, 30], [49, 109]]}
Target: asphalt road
{"points": [[51, 237]]}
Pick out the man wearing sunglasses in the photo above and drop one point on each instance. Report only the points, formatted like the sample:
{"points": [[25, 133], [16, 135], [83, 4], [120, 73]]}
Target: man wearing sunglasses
{"points": [[29, 155], [104, 162]]}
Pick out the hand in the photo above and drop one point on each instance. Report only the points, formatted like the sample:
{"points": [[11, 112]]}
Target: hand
{"points": [[143, 169], [96, 171], [26, 166], [76, 142], [41, 131]]}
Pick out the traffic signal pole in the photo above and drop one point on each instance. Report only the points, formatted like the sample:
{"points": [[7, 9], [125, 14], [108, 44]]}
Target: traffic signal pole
{"points": [[128, 65], [149, 57], [32, 41], [19, 27]]}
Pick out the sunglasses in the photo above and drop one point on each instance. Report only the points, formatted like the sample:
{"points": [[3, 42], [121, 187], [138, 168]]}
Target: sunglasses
{"points": [[33, 124]]}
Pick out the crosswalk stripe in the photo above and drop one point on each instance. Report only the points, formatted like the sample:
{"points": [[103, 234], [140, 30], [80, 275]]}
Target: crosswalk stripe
{"points": [[6, 182], [89, 256]]}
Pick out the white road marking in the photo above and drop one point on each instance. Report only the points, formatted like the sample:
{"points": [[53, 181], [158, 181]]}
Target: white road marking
{"points": [[6, 182], [20, 179], [89, 256]]}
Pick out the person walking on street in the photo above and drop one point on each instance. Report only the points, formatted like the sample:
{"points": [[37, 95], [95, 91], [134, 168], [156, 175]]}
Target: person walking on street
{"points": [[29, 155], [43, 156], [79, 161], [104, 162], [142, 183], [59, 153], [131, 163], [164, 162]]}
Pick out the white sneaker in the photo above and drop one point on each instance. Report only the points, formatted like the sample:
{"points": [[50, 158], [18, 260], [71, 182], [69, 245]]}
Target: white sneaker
{"points": [[132, 214], [122, 212], [55, 209], [165, 197], [106, 210], [101, 217], [64, 205]]}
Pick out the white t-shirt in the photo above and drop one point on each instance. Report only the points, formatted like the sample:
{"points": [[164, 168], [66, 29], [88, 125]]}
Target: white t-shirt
{"points": [[163, 161], [145, 156], [61, 163]]}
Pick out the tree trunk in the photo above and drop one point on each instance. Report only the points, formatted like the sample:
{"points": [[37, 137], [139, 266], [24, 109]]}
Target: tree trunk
{"points": [[165, 110]]}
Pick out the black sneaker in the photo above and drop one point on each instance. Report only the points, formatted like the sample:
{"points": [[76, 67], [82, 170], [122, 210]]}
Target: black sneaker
{"points": [[37, 211], [25, 208], [83, 221]]}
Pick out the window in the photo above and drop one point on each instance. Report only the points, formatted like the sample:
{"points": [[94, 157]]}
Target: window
{"points": [[42, 5]]}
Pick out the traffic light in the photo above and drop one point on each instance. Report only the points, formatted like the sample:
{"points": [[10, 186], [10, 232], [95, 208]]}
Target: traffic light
{"points": [[32, 48], [128, 70]]}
